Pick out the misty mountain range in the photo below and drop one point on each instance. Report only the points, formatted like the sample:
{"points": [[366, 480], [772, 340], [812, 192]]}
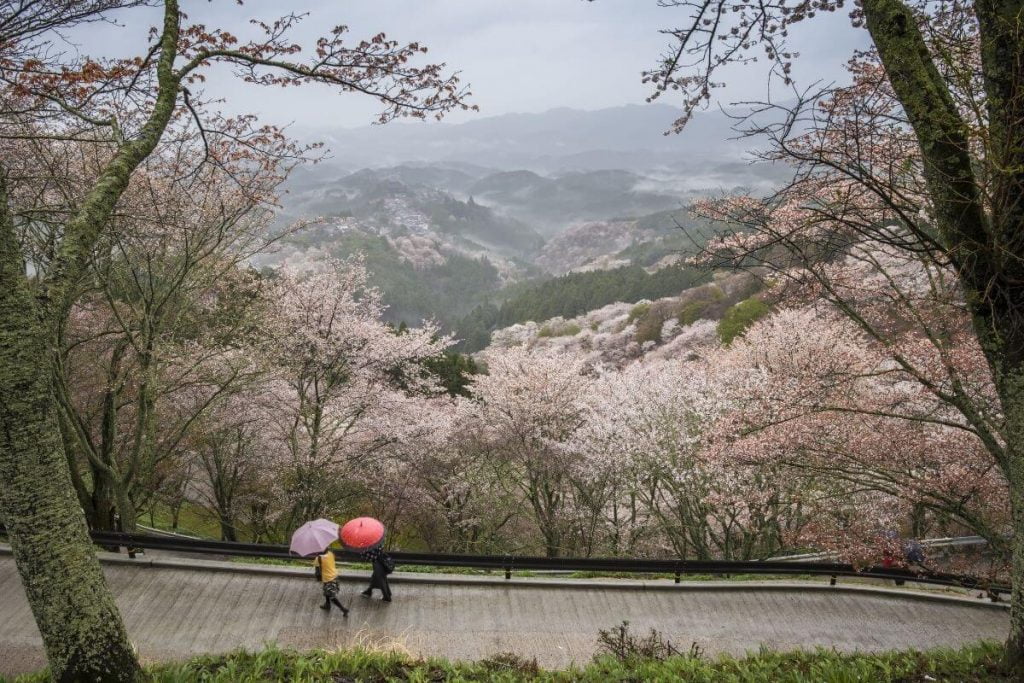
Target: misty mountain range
{"points": [[628, 138], [451, 217], [548, 171]]}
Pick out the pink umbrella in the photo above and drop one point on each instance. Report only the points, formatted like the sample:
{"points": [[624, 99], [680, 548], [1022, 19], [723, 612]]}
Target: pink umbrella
{"points": [[313, 537], [362, 533]]}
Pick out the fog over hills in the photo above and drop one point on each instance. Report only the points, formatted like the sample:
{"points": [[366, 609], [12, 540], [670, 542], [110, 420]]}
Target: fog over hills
{"points": [[548, 171], [452, 218], [630, 137]]}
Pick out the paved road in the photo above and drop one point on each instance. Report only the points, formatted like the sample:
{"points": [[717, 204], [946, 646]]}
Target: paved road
{"points": [[173, 612]]}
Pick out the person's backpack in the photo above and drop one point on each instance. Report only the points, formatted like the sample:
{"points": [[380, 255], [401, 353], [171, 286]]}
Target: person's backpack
{"points": [[387, 562]]}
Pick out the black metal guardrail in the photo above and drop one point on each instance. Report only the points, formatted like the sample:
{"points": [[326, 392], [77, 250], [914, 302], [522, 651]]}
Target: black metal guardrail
{"points": [[509, 563]]}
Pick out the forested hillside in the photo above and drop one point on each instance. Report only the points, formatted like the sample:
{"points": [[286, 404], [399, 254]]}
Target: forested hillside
{"points": [[444, 288], [570, 295]]}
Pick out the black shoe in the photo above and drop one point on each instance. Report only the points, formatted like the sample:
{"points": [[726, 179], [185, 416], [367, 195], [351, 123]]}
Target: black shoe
{"points": [[326, 607], [386, 599], [344, 612], [367, 593]]}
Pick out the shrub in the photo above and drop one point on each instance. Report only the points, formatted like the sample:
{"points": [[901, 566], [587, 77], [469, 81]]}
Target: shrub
{"points": [[638, 311], [740, 317], [510, 662], [649, 328], [693, 311], [709, 303], [563, 330], [624, 646]]}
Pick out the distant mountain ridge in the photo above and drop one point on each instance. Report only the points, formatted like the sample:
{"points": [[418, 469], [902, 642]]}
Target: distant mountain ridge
{"points": [[629, 137], [455, 218]]}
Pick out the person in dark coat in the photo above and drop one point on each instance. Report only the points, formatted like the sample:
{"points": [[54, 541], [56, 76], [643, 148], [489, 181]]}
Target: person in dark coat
{"points": [[382, 566], [914, 553]]}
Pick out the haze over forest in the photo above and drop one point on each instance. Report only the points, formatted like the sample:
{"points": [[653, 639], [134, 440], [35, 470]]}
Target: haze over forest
{"points": [[458, 217]]}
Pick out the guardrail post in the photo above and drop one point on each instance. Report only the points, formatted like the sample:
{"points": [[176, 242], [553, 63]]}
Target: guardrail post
{"points": [[508, 567], [677, 575], [832, 580]]}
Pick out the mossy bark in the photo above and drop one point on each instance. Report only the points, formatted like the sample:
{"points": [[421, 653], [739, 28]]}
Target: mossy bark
{"points": [[983, 232], [82, 631], [76, 614], [1013, 395]]}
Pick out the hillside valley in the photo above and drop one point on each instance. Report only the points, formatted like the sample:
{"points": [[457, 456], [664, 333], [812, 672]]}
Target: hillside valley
{"points": [[475, 241]]}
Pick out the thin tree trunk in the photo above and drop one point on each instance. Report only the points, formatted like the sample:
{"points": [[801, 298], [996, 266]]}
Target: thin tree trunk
{"points": [[126, 509], [1015, 639], [227, 526]]}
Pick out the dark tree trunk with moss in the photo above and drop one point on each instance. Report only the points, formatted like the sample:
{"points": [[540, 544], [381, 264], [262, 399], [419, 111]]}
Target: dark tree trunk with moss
{"points": [[39, 501], [76, 614], [82, 630], [983, 233]]}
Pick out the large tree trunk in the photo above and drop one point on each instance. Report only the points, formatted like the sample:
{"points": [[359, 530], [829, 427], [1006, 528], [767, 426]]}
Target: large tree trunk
{"points": [[82, 630], [1001, 26], [1015, 640], [984, 240], [1006, 355]]}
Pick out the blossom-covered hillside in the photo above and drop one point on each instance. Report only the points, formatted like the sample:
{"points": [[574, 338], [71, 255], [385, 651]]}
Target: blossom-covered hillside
{"points": [[670, 327]]}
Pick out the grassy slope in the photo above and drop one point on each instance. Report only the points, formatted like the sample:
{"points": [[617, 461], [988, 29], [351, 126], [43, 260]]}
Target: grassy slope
{"points": [[975, 663]]}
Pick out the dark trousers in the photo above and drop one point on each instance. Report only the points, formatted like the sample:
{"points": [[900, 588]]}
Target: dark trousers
{"points": [[379, 579], [330, 589], [329, 600]]}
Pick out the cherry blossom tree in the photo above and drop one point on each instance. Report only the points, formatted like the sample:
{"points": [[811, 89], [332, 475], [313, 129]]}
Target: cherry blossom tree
{"points": [[927, 140], [532, 406], [460, 505], [172, 287], [651, 424], [127, 107], [879, 452], [339, 373], [233, 460]]}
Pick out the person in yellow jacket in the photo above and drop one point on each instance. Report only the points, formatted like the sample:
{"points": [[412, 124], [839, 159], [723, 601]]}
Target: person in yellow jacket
{"points": [[326, 571]]}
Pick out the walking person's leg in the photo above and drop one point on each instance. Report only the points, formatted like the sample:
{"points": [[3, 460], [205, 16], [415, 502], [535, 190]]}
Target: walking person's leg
{"points": [[374, 581], [344, 610], [382, 577], [336, 588]]}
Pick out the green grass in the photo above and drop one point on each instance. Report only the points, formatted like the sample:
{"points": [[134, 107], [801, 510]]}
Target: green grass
{"points": [[192, 521], [981, 662]]}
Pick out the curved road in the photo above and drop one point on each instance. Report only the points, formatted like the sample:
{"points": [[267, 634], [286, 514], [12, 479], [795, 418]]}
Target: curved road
{"points": [[175, 608]]}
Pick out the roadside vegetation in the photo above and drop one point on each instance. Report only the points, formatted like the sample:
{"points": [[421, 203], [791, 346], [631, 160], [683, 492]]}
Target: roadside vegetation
{"points": [[981, 662]]}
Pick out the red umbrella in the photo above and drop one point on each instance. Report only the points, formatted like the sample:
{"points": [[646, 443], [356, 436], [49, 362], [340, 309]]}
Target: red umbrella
{"points": [[362, 533]]}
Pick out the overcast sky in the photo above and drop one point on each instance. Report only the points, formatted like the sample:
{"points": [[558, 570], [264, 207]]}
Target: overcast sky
{"points": [[518, 55]]}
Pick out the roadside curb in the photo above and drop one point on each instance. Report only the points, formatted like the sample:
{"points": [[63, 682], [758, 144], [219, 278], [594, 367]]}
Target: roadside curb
{"points": [[357, 576]]}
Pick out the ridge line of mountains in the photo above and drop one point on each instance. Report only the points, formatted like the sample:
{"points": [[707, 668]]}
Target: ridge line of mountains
{"points": [[464, 223]]}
